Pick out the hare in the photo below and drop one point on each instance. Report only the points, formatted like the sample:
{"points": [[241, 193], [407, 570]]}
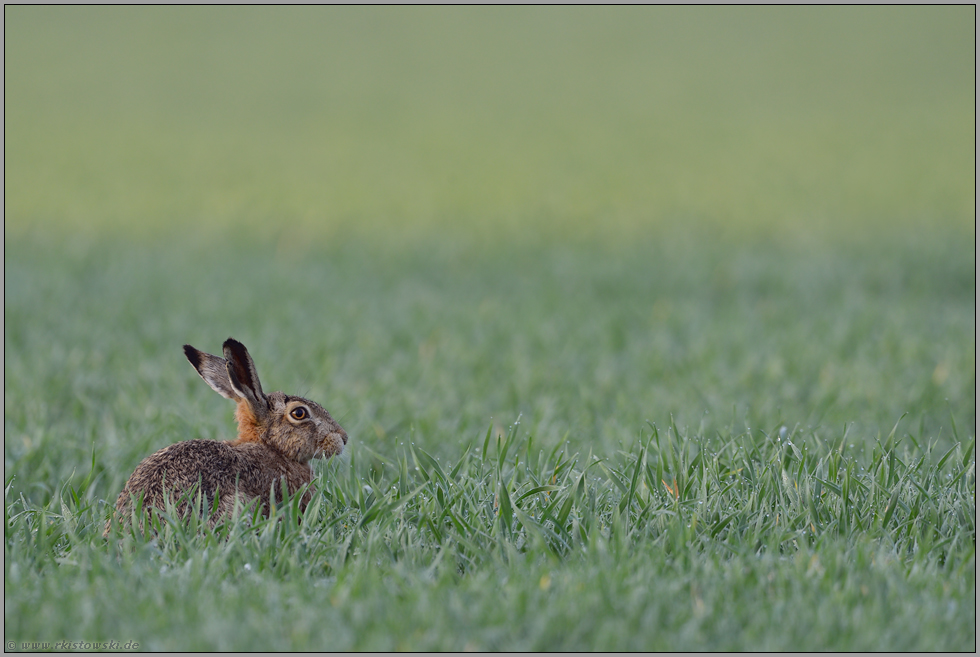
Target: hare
{"points": [[278, 434]]}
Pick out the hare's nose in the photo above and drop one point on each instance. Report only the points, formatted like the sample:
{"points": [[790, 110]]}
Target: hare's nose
{"points": [[343, 436]]}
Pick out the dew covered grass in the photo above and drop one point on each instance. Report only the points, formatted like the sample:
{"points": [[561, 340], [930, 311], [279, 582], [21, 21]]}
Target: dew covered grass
{"points": [[652, 328]]}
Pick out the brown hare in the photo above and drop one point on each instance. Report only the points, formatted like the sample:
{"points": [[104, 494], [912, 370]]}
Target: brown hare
{"points": [[278, 434]]}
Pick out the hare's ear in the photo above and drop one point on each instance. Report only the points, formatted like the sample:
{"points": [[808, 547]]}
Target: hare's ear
{"points": [[243, 377], [213, 370]]}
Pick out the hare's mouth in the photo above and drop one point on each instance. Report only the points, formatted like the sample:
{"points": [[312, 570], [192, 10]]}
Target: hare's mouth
{"points": [[331, 446]]}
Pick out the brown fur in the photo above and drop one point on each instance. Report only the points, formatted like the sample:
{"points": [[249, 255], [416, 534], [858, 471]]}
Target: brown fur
{"points": [[272, 446], [248, 426]]}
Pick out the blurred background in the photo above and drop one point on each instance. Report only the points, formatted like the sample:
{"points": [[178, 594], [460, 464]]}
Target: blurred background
{"points": [[403, 118], [434, 219]]}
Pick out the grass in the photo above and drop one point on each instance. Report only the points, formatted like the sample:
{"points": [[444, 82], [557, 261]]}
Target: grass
{"points": [[347, 120], [645, 339], [678, 543]]}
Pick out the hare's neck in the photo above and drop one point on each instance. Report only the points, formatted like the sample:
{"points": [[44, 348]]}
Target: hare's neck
{"points": [[249, 430]]}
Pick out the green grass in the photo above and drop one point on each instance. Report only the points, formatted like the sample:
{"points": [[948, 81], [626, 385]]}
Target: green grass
{"points": [[653, 329], [346, 119], [679, 543]]}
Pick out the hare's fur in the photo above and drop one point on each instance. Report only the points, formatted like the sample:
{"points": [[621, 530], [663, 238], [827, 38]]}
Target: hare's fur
{"points": [[278, 434]]}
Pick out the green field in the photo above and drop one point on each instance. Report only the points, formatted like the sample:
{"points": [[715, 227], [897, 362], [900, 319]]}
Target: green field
{"points": [[653, 328]]}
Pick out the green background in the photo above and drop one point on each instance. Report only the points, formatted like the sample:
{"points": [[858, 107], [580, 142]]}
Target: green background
{"points": [[434, 220]]}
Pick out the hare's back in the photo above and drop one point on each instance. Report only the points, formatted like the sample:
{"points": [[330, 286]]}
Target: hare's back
{"points": [[181, 466]]}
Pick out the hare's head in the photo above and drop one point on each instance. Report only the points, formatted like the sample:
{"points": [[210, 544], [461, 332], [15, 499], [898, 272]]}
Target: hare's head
{"points": [[297, 428]]}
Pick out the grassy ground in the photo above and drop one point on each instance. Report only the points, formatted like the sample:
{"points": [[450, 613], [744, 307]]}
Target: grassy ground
{"points": [[652, 328]]}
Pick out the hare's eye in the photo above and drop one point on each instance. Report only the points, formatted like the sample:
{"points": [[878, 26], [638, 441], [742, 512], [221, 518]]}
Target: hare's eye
{"points": [[299, 413]]}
